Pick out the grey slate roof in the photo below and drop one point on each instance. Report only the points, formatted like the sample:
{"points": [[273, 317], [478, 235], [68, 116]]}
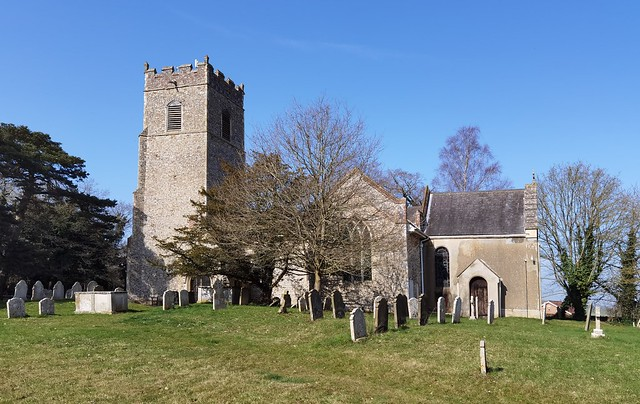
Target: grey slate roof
{"points": [[476, 213]]}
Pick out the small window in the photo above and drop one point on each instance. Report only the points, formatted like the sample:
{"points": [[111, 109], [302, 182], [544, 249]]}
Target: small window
{"points": [[226, 125], [174, 116]]}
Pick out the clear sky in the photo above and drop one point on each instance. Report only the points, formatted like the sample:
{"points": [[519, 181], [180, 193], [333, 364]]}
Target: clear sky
{"points": [[547, 82]]}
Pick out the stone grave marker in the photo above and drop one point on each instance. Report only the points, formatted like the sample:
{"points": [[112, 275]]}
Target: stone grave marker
{"points": [[167, 299], [337, 304], [544, 311], [245, 295], [37, 291], [315, 305], [91, 286], [119, 289], [275, 302], [58, 291], [183, 298], [423, 309], [98, 288], [302, 304], [327, 304], [77, 287], [21, 289], [457, 309], [358, 324], [491, 312], [285, 302], [46, 307], [472, 309], [441, 310], [597, 332], [587, 321], [217, 296], [15, 308], [400, 310], [380, 315], [413, 307], [483, 358]]}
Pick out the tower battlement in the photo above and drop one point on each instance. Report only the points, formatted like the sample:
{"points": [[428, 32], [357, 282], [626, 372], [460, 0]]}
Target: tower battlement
{"points": [[185, 75]]}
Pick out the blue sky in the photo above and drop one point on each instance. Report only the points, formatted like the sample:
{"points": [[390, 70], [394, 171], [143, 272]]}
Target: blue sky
{"points": [[547, 82]]}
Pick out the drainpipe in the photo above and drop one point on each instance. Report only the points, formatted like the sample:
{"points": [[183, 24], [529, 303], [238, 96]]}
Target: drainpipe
{"points": [[526, 289], [422, 265]]}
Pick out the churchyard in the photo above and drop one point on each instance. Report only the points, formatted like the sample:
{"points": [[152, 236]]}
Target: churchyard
{"points": [[253, 354]]}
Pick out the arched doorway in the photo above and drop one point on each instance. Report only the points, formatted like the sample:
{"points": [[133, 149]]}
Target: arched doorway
{"points": [[194, 283], [478, 289]]}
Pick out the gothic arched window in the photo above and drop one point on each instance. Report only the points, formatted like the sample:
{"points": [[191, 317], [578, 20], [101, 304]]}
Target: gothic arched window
{"points": [[360, 254], [442, 267], [174, 116]]}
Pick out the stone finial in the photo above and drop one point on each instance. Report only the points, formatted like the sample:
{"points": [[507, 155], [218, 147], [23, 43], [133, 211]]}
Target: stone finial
{"points": [[206, 59]]}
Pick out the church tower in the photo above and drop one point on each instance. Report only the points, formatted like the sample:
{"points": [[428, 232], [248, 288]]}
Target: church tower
{"points": [[193, 121]]}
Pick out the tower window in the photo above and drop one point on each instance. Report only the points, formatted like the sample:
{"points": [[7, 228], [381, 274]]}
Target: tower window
{"points": [[226, 125], [174, 116]]}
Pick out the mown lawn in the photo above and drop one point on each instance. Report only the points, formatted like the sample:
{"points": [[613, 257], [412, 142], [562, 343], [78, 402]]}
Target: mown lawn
{"points": [[252, 354]]}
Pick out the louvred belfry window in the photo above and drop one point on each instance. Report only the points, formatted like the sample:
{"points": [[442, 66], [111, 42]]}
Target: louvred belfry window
{"points": [[174, 116]]}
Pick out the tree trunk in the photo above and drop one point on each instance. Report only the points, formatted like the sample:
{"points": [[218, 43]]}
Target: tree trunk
{"points": [[317, 283]]}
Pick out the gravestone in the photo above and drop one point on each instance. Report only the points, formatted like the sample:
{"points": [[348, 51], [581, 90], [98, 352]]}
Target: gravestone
{"points": [[358, 324], [15, 308], [441, 310], [472, 309], [597, 332], [218, 299], [167, 299], [68, 294], [413, 307], [98, 288], [491, 312], [327, 303], [544, 311], [380, 315], [400, 310], [483, 358], [21, 289], [183, 298], [275, 302], [587, 322], [285, 302], [245, 295], [119, 289], [77, 287], [457, 309], [91, 286], [315, 305], [46, 307], [58, 291], [423, 309], [37, 291], [338, 304], [302, 304]]}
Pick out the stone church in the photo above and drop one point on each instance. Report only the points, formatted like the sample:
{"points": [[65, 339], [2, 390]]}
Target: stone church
{"points": [[481, 244]]}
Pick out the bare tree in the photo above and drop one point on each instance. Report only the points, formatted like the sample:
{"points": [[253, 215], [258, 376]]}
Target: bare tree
{"points": [[581, 223], [403, 184], [467, 165]]}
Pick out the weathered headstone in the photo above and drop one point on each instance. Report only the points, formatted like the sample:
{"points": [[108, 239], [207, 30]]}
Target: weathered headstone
{"points": [[37, 291], [441, 310], [587, 322], [413, 307], [491, 312], [423, 309], [219, 302], [457, 310], [285, 302], [183, 298], [597, 332], [98, 288], [77, 287], [119, 289], [400, 310], [483, 358], [15, 308], [337, 304], [472, 309], [46, 307], [21, 289], [275, 302], [245, 295], [58, 291], [327, 304], [358, 324], [302, 304], [167, 299], [315, 305], [91, 286], [544, 312], [380, 315]]}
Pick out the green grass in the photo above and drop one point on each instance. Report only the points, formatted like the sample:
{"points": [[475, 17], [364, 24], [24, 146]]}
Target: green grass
{"points": [[253, 354]]}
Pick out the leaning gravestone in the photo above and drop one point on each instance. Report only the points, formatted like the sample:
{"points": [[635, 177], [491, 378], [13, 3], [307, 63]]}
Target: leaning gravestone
{"points": [[400, 310], [491, 314], [58, 291], [413, 307], [21, 289], [15, 308], [358, 324], [275, 302], [457, 310], [37, 291], [91, 286], [380, 315], [327, 303], [77, 287], [338, 304], [441, 310], [167, 299], [183, 298], [587, 322], [315, 305], [218, 299], [46, 307], [423, 310], [302, 304]]}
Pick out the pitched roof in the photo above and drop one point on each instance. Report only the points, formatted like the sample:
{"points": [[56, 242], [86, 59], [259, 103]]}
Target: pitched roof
{"points": [[475, 213]]}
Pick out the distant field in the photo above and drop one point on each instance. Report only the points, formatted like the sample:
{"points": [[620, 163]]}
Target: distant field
{"points": [[252, 354]]}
